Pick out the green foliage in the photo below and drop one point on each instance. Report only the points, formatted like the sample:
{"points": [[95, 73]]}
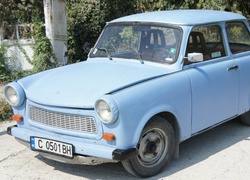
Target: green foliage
{"points": [[151, 5], [2, 51], [43, 57], [20, 11], [86, 19], [211, 4], [5, 110], [3, 72]]}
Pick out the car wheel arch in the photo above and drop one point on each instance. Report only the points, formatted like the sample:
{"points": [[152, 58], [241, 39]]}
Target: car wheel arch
{"points": [[171, 118]]}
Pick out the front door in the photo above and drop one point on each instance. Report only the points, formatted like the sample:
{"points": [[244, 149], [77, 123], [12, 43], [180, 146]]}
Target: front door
{"points": [[214, 82]]}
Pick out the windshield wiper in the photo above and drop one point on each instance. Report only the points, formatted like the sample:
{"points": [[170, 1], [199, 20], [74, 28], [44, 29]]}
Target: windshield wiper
{"points": [[107, 52], [136, 52], [129, 48]]}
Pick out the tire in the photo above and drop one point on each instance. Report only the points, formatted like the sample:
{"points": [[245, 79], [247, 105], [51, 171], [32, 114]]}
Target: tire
{"points": [[245, 118], [154, 150]]}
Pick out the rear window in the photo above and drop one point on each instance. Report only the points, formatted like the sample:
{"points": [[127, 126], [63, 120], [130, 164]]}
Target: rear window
{"points": [[238, 37]]}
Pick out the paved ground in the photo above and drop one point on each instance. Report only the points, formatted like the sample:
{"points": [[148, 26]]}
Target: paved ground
{"points": [[221, 153]]}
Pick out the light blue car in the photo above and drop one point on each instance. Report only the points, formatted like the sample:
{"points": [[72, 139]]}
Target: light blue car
{"points": [[151, 81]]}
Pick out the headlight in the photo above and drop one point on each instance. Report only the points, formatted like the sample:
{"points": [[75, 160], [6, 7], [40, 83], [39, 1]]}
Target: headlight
{"points": [[14, 94], [107, 110]]}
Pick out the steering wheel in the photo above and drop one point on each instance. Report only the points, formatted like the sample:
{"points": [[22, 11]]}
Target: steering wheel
{"points": [[161, 54]]}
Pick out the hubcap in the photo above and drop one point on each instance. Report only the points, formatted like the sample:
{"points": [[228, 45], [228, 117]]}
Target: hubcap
{"points": [[152, 148]]}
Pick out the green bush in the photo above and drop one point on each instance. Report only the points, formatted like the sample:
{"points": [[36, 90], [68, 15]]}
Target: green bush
{"points": [[3, 72], [5, 110], [85, 21]]}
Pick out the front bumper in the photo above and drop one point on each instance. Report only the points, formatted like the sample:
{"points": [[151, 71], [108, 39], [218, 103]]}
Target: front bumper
{"points": [[97, 154]]}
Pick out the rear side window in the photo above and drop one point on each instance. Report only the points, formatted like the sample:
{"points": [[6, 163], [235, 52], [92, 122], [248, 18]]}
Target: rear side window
{"points": [[238, 37], [206, 40]]}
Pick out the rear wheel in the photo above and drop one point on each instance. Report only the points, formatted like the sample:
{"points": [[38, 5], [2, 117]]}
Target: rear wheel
{"points": [[155, 149], [245, 118]]}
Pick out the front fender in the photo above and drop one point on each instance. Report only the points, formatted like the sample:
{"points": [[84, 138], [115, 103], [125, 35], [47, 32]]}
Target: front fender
{"points": [[151, 113]]}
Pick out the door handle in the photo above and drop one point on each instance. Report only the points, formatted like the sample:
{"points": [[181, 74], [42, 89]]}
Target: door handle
{"points": [[232, 68]]}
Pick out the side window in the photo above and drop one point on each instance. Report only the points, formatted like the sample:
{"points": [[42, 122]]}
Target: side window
{"points": [[238, 37], [206, 40]]}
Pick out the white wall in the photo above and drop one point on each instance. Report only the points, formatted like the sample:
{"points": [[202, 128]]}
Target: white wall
{"points": [[15, 58]]}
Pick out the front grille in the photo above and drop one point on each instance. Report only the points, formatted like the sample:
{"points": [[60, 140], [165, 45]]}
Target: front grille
{"points": [[63, 121]]}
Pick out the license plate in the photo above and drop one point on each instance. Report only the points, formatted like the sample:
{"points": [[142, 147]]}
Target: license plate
{"points": [[51, 146]]}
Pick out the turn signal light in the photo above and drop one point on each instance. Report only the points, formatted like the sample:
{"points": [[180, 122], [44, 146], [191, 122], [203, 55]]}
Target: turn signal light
{"points": [[108, 136], [17, 117]]}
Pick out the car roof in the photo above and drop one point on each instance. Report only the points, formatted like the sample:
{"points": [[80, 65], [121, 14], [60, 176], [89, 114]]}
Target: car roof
{"points": [[182, 17]]}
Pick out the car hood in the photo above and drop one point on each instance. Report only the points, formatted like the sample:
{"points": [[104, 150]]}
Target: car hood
{"points": [[81, 84]]}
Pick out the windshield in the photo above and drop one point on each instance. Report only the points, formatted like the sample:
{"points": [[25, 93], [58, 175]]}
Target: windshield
{"points": [[142, 42]]}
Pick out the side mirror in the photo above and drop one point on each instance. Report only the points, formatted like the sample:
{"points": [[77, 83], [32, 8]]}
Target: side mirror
{"points": [[195, 57]]}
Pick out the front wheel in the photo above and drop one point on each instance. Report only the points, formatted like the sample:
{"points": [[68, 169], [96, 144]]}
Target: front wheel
{"points": [[154, 150], [245, 118]]}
